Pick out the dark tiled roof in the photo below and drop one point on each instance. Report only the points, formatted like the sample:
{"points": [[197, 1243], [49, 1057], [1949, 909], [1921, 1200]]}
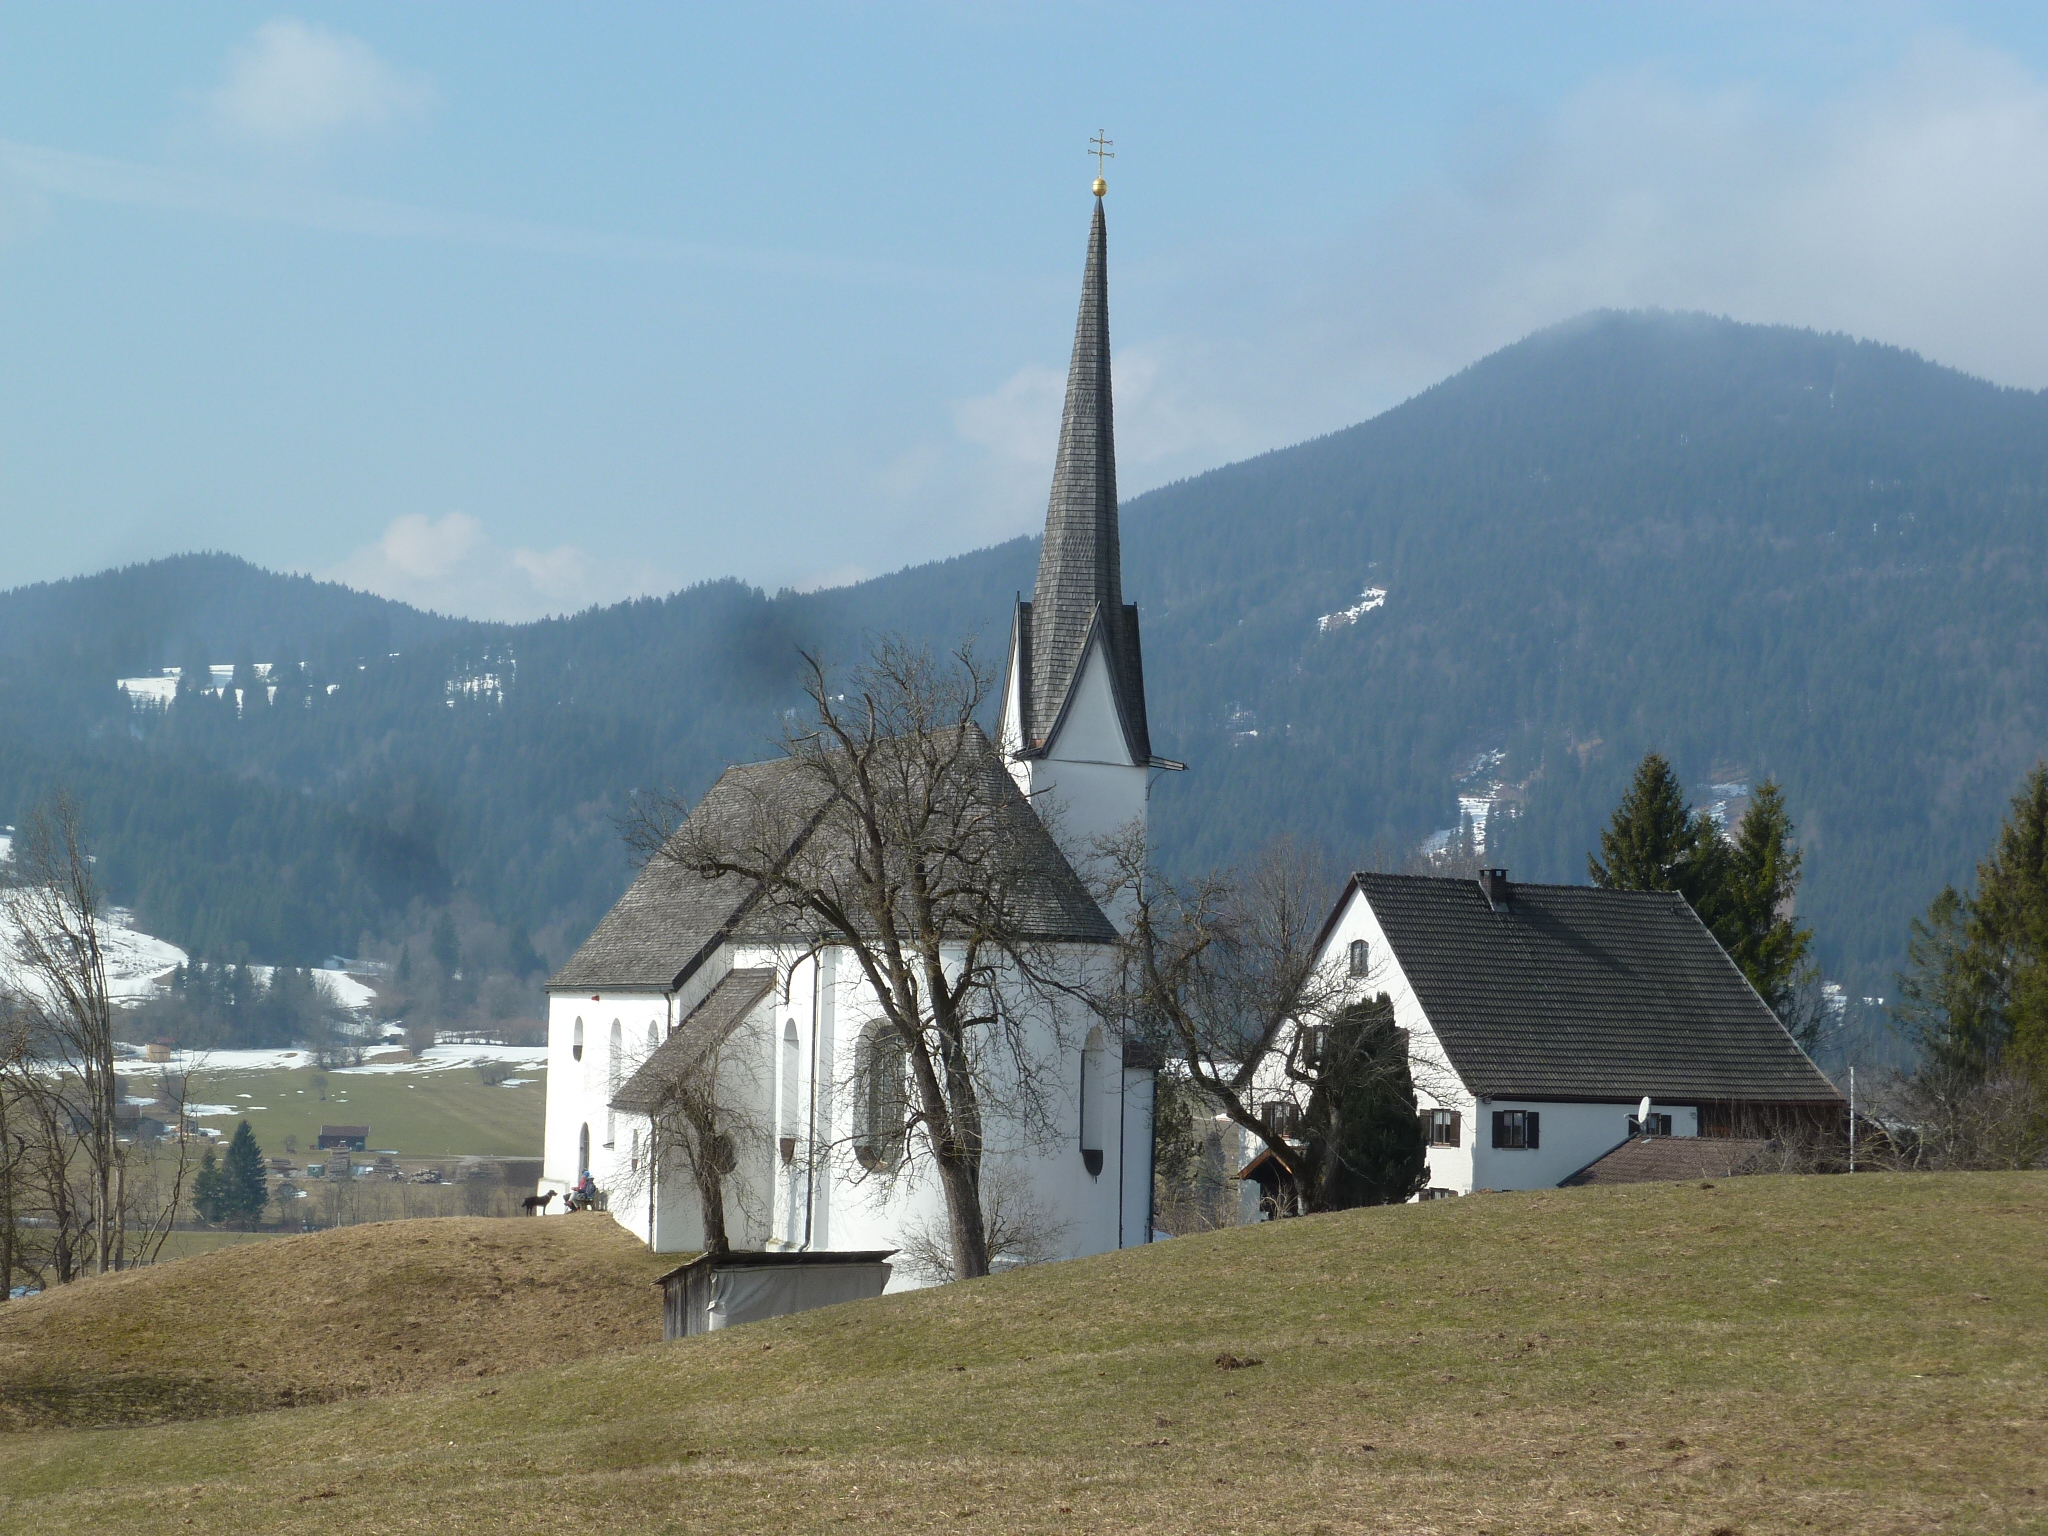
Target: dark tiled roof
{"points": [[703, 1031], [1080, 562], [1664, 1159], [671, 920], [1573, 992]]}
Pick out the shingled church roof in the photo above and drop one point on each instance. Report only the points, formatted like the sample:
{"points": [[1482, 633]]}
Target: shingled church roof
{"points": [[671, 920], [1571, 992], [701, 1032], [1079, 593]]}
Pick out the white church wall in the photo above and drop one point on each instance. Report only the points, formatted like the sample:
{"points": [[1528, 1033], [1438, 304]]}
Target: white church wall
{"points": [[580, 1072]]}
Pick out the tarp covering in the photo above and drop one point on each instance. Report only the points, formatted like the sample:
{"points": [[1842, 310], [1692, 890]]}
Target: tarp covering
{"points": [[749, 1295]]}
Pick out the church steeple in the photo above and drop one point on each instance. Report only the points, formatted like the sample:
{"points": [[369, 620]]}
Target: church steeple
{"points": [[1078, 600]]}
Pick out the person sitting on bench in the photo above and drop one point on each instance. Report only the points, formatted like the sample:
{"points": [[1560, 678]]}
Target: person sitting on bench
{"points": [[584, 1196]]}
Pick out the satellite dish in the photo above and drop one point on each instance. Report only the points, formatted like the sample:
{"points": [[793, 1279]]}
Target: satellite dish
{"points": [[1643, 1115]]}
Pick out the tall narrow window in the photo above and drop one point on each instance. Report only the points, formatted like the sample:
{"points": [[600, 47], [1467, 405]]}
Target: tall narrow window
{"points": [[1361, 957], [583, 1151], [576, 1041], [792, 1086], [881, 1104], [613, 1058], [653, 1037], [1094, 1069]]}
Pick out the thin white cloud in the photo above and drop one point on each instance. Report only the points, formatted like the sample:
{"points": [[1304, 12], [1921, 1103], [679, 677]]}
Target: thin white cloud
{"points": [[452, 565], [295, 85]]}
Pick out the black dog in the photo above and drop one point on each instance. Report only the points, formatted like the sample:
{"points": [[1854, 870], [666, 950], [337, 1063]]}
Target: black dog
{"points": [[536, 1204]]}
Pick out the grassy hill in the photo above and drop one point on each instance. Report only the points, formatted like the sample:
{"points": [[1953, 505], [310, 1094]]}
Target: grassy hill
{"points": [[353, 1312], [1747, 1356]]}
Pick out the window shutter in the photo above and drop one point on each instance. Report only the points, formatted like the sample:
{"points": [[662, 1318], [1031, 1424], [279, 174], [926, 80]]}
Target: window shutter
{"points": [[1532, 1130], [1426, 1119], [1457, 1121], [1500, 1128]]}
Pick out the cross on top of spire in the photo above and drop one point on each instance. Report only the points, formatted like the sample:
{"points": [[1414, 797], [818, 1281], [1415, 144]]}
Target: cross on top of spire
{"points": [[1101, 149]]}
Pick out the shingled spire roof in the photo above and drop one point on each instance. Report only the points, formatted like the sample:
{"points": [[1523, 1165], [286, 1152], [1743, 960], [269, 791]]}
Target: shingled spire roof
{"points": [[1080, 575]]}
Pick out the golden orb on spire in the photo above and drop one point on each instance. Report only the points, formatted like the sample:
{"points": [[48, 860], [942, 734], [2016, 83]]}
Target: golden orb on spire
{"points": [[1099, 147], [1101, 186]]}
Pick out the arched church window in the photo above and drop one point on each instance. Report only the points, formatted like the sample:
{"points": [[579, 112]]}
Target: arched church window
{"points": [[583, 1151], [1360, 957], [613, 1056], [1094, 1078], [792, 1086], [576, 1041], [881, 1103], [636, 1152], [653, 1037]]}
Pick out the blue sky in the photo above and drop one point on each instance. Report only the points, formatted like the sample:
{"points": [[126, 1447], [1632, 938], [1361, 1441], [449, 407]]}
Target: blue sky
{"points": [[506, 310]]}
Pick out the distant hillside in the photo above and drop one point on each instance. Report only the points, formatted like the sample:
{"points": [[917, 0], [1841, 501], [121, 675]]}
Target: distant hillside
{"points": [[1761, 551]]}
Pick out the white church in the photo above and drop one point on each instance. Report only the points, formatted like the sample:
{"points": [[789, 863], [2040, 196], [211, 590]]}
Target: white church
{"points": [[687, 975]]}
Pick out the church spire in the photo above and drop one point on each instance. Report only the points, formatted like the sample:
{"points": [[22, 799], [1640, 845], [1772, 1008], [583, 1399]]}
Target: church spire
{"points": [[1079, 593]]}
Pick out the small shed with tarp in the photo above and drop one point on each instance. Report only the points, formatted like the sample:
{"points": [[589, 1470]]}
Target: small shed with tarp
{"points": [[723, 1290]]}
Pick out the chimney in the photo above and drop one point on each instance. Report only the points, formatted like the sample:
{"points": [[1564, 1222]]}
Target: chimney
{"points": [[1493, 885]]}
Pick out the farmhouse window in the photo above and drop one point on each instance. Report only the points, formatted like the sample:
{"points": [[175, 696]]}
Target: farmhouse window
{"points": [[1515, 1129], [1442, 1127], [1360, 957], [1283, 1118], [1660, 1125]]}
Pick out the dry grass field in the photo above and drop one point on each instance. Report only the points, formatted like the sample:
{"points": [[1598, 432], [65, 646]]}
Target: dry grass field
{"points": [[353, 1312], [1768, 1355]]}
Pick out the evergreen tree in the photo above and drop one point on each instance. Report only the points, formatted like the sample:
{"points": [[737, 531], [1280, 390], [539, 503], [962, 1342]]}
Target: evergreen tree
{"points": [[207, 1194], [520, 952], [405, 963], [1755, 923], [243, 1187], [1948, 994], [1365, 1143], [2009, 923], [446, 950], [1657, 843]]}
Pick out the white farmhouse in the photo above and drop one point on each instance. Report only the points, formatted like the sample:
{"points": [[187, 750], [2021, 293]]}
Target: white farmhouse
{"points": [[687, 976], [1539, 1017]]}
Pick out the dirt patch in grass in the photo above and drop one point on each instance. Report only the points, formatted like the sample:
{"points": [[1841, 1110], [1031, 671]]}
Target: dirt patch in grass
{"points": [[358, 1311]]}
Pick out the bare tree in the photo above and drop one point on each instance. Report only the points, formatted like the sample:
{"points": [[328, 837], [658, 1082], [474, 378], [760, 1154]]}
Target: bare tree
{"points": [[891, 830], [702, 1122], [1021, 1229], [1224, 975], [55, 905]]}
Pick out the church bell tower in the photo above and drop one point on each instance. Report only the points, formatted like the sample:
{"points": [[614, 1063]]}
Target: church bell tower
{"points": [[1073, 724]]}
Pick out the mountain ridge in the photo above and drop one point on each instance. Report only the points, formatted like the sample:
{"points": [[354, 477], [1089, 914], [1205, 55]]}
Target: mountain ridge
{"points": [[1762, 550]]}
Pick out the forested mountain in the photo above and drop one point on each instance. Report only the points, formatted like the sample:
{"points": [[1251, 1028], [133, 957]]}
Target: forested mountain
{"points": [[1760, 551]]}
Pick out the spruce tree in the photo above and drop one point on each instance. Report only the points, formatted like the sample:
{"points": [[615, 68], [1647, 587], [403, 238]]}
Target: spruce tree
{"points": [[206, 1188], [1948, 993], [1365, 1143], [2008, 927], [1755, 923], [446, 950], [243, 1182], [1656, 842]]}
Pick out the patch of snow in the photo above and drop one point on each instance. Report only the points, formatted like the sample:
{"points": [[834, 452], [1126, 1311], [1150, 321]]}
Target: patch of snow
{"points": [[518, 1082], [1368, 600], [136, 961]]}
